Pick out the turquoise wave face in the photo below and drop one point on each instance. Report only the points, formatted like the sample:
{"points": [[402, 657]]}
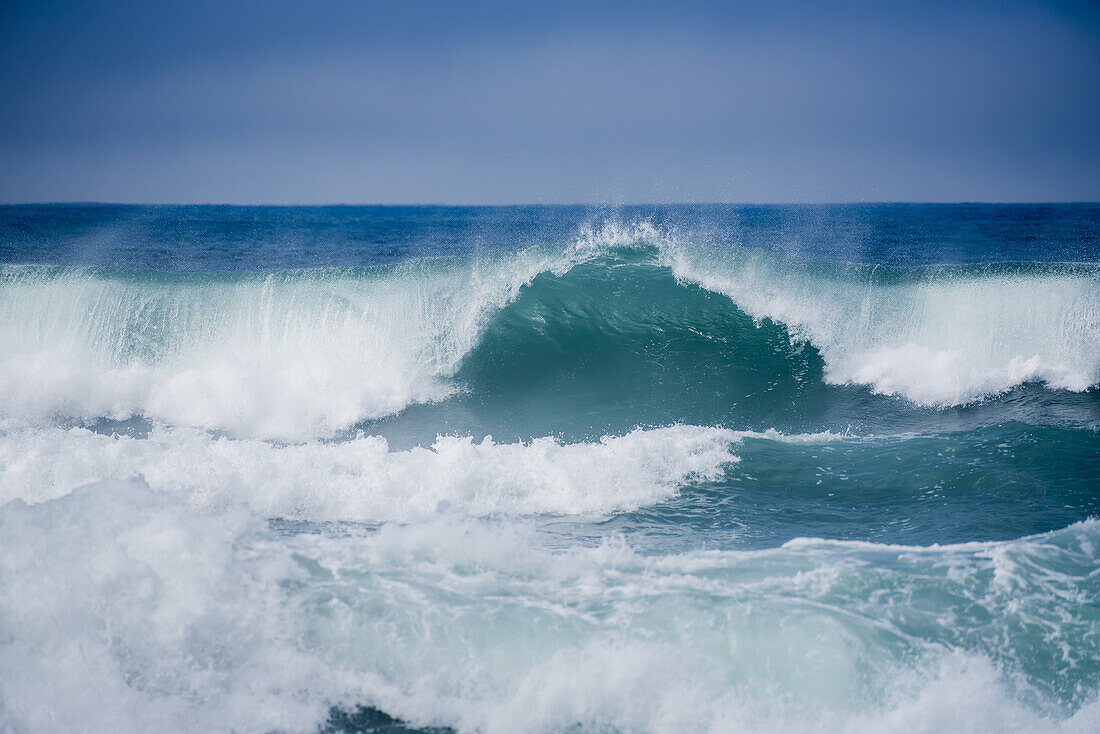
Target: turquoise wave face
{"points": [[611, 345], [557, 475]]}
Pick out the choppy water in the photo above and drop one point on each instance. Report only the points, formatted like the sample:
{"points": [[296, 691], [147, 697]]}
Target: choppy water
{"points": [[550, 469]]}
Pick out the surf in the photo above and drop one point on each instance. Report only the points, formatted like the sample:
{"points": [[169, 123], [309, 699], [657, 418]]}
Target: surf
{"points": [[548, 470], [218, 621]]}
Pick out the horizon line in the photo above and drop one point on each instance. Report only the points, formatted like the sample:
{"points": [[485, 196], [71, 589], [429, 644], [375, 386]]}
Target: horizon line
{"points": [[604, 205]]}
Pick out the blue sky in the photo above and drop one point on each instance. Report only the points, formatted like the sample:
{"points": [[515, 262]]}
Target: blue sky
{"points": [[387, 102]]}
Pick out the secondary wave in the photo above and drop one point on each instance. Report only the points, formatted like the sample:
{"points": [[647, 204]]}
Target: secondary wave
{"points": [[363, 480]]}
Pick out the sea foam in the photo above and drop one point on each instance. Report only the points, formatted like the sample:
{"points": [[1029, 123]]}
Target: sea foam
{"points": [[126, 608], [286, 355]]}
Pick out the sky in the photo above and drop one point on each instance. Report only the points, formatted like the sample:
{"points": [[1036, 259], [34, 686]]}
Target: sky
{"points": [[341, 101]]}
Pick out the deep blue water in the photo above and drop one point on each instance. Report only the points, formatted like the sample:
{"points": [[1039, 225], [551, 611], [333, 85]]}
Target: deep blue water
{"points": [[685, 468], [258, 239]]}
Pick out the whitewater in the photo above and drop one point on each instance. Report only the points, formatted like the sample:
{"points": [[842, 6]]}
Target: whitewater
{"points": [[550, 469]]}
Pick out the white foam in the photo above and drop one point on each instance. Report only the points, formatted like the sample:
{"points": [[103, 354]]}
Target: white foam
{"points": [[126, 609], [947, 337], [288, 356], [124, 612], [362, 479]]}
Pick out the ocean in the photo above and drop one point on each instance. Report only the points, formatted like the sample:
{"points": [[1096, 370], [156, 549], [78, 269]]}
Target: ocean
{"points": [[550, 469]]}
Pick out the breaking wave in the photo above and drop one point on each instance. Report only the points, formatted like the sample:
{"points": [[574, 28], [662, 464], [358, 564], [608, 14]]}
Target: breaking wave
{"points": [[303, 354]]}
